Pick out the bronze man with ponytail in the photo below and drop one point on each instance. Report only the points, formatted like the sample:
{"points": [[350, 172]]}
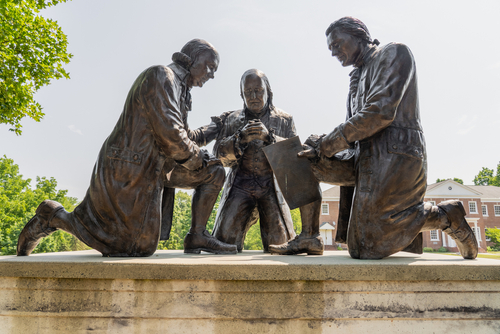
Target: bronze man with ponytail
{"points": [[150, 152], [378, 157]]}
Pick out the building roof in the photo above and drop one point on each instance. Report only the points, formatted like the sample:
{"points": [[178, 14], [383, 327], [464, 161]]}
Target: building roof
{"points": [[332, 193], [487, 191], [326, 226], [451, 188]]}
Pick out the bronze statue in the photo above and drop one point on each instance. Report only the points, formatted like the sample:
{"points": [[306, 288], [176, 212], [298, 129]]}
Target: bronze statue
{"points": [[378, 157], [250, 190], [150, 152]]}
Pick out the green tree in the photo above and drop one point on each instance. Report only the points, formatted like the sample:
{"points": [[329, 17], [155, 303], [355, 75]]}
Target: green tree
{"points": [[18, 203], [32, 53], [486, 177], [253, 239], [181, 222], [494, 235], [454, 179]]}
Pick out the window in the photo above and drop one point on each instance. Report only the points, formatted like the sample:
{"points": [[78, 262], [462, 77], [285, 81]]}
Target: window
{"points": [[432, 202], [497, 210], [324, 209], [485, 210], [477, 232], [434, 235], [487, 238], [472, 207]]}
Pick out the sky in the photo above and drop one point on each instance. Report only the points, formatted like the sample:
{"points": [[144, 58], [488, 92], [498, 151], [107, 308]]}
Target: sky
{"points": [[455, 45]]}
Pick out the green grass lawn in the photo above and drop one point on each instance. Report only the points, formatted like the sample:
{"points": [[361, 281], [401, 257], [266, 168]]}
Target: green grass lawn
{"points": [[489, 255]]}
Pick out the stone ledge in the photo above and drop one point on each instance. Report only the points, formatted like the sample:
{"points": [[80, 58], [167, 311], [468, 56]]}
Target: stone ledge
{"points": [[252, 292], [250, 265]]}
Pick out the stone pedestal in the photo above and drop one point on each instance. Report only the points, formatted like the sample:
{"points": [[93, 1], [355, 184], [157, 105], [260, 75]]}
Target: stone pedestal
{"points": [[252, 292]]}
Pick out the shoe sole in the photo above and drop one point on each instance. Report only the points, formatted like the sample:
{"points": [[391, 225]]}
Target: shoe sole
{"points": [[297, 253], [198, 251]]}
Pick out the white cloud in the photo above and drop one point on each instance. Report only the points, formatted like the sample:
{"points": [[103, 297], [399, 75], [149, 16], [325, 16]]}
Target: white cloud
{"points": [[75, 130]]}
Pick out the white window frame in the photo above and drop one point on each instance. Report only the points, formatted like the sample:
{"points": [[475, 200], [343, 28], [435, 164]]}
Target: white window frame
{"points": [[484, 210], [486, 237], [475, 208], [436, 237], [496, 209], [477, 232], [325, 205]]}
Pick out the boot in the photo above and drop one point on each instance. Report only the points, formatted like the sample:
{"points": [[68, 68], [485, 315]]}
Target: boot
{"points": [[458, 229], [37, 227], [197, 242], [312, 245]]}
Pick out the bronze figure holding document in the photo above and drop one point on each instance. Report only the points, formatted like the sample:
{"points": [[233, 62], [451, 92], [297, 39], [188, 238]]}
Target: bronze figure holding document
{"points": [[378, 157]]}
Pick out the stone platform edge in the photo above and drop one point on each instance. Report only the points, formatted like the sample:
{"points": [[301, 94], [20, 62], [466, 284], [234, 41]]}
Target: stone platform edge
{"points": [[250, 265]]}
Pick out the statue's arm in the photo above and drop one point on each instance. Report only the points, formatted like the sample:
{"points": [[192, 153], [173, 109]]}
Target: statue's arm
{"points": [[165, 118], [389, 81], [205, 134], [229, 149]]}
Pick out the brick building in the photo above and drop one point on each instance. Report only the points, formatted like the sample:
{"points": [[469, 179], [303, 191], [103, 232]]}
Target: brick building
{"points": [[482, 204]]}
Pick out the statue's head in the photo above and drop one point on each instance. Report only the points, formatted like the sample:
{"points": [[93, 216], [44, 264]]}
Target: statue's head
{"points": [[347, 38], [255, 91], [200, 58]]}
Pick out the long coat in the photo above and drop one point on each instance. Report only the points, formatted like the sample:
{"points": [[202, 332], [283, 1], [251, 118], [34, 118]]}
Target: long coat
{"points": [[383, 127], [122, 211], [278, 121]]}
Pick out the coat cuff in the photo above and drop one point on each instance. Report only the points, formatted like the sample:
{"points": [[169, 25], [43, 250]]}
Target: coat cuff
{"points": [[195, 161], [333, 142]]}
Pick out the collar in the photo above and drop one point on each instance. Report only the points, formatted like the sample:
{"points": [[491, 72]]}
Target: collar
{"points": [[251, 115], [367, 56], [179, 71]]}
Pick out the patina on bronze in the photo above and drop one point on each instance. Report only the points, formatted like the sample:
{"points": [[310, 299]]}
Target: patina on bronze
{"points": [[150, 152], [250, 190], [378, 157], [294, 175]]}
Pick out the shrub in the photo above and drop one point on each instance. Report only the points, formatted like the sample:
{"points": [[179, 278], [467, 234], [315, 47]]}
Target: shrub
{"points": [[442, 250]]}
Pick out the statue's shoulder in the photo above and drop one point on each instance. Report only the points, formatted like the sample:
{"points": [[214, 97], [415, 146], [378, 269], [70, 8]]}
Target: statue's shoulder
{"points": [[281, 113], [159, 72], [232, 114], [395, 50]]}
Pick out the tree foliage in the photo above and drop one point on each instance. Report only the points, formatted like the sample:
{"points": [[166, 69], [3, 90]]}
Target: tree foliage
{"points": [[253, 239], [486, 177], [18, 202], [494, 235], [181, 221], [32, 53], [456, 179]]}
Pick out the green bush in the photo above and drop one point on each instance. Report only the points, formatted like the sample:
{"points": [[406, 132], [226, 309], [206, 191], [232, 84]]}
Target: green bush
{"points": [[339, 247], [428, 250], [442, 250]]}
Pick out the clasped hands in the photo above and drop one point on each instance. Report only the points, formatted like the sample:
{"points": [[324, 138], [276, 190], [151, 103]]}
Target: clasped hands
{"points": [[253, 130]]}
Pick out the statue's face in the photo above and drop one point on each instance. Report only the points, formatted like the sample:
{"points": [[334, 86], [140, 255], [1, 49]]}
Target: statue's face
{"points": [[203, 69], [254, 93], [344, 46]]}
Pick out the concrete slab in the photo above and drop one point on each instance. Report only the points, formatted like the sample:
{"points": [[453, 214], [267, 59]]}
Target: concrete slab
{"points": [[249, 265], [252, 292]]}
